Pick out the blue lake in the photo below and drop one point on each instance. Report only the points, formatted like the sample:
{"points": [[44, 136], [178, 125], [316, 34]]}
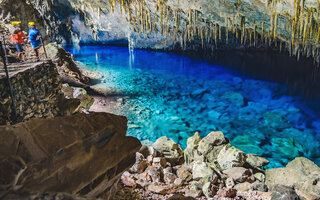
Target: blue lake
{"points": [[164, 94]]}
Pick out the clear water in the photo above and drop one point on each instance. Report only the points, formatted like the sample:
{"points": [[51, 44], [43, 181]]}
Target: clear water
{"points": [[173, 95]]}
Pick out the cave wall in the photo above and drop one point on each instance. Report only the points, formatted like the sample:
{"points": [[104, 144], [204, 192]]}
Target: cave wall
{"points": [[37, 93]]}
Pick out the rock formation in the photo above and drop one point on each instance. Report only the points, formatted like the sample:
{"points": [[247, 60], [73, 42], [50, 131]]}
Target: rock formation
{"points": [[82, 155]]}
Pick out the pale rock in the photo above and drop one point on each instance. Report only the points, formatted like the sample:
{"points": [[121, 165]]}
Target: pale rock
{"points": [[159, 162], [210, 142], [229, 182], [159, 189], [169, 149], [258, 186], [256, 161], [169, 178], [281, 192], [260, 177], [127, 179], [140, 164], [209, 190], [167, 170], [243, 187], [154, 174], [178, 182], [191, 151], [201, 170], [184, 174], [231, 157], [238, 174]]}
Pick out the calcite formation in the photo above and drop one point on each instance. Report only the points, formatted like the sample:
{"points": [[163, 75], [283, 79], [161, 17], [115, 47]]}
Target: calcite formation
{"points": [[184, 24]]}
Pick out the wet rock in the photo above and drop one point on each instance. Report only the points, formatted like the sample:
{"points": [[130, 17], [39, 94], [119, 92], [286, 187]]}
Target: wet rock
{"points": [[201, 170], [127, 179], [140, 164], [209, 190], [256, 161], [170, 150], [281, 192], [234, 98], [231, 157], [238, 174]]}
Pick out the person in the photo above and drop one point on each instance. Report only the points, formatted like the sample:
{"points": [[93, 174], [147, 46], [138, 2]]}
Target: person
{"points": [[34, 37], [18, 37]]}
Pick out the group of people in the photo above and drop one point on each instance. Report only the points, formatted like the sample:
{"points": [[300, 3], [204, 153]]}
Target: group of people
{"points": [[19, 38]]}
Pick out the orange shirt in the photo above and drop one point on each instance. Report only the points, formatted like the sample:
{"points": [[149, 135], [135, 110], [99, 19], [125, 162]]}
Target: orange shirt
{"points": [[18, 37]]}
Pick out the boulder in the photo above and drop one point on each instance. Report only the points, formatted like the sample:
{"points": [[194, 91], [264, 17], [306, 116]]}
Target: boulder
{"points": [[210, 141], [170, 150], [238, 174], [200, 170], [191, 151], [300, 173], [230, 157], [184, 174], [256, 161], [59, 153], [209, 190], [281, 192]]}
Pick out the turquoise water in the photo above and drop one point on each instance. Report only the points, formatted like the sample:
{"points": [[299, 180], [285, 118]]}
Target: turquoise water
{"points": [[173, 95]]}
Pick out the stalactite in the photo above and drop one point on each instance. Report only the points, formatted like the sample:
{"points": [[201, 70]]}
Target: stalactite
{"points": [[275, 26], [243, 28], [227, 31], [262, 31], [219, 32]]}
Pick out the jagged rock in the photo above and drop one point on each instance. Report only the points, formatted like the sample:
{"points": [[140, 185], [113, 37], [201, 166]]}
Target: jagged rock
{"points": [[201, 170], [127, 179], [178, 182], [209, 189], [154, 173], [159, 162], [48, 146], [281, 192], [195, 189], [260, 176], [229, 182], [169, 149], [191, 151], [169, 178], [231, 157], [224, 192], [260, 187], [210, 141], [184, 174], [256, 161], [140, 164], [238, 174], [301, 173]]}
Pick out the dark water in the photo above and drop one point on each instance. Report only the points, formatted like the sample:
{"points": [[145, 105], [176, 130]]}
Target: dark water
{"points": [[173, 95]]}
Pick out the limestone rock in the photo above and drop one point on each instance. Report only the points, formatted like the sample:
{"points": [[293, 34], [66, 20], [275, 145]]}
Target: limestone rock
{"points": [[159, 189], [301, 173], [184, 174], [210, 141], [238, 174], [231, 157], [281, 192], [169, 178], [159, 162], [201, 170], [243, 187], [224, 192], [209, 190], [127, 179], [256, 161], [170, 150], [140, 164], [260, 176], [191, 151]]}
